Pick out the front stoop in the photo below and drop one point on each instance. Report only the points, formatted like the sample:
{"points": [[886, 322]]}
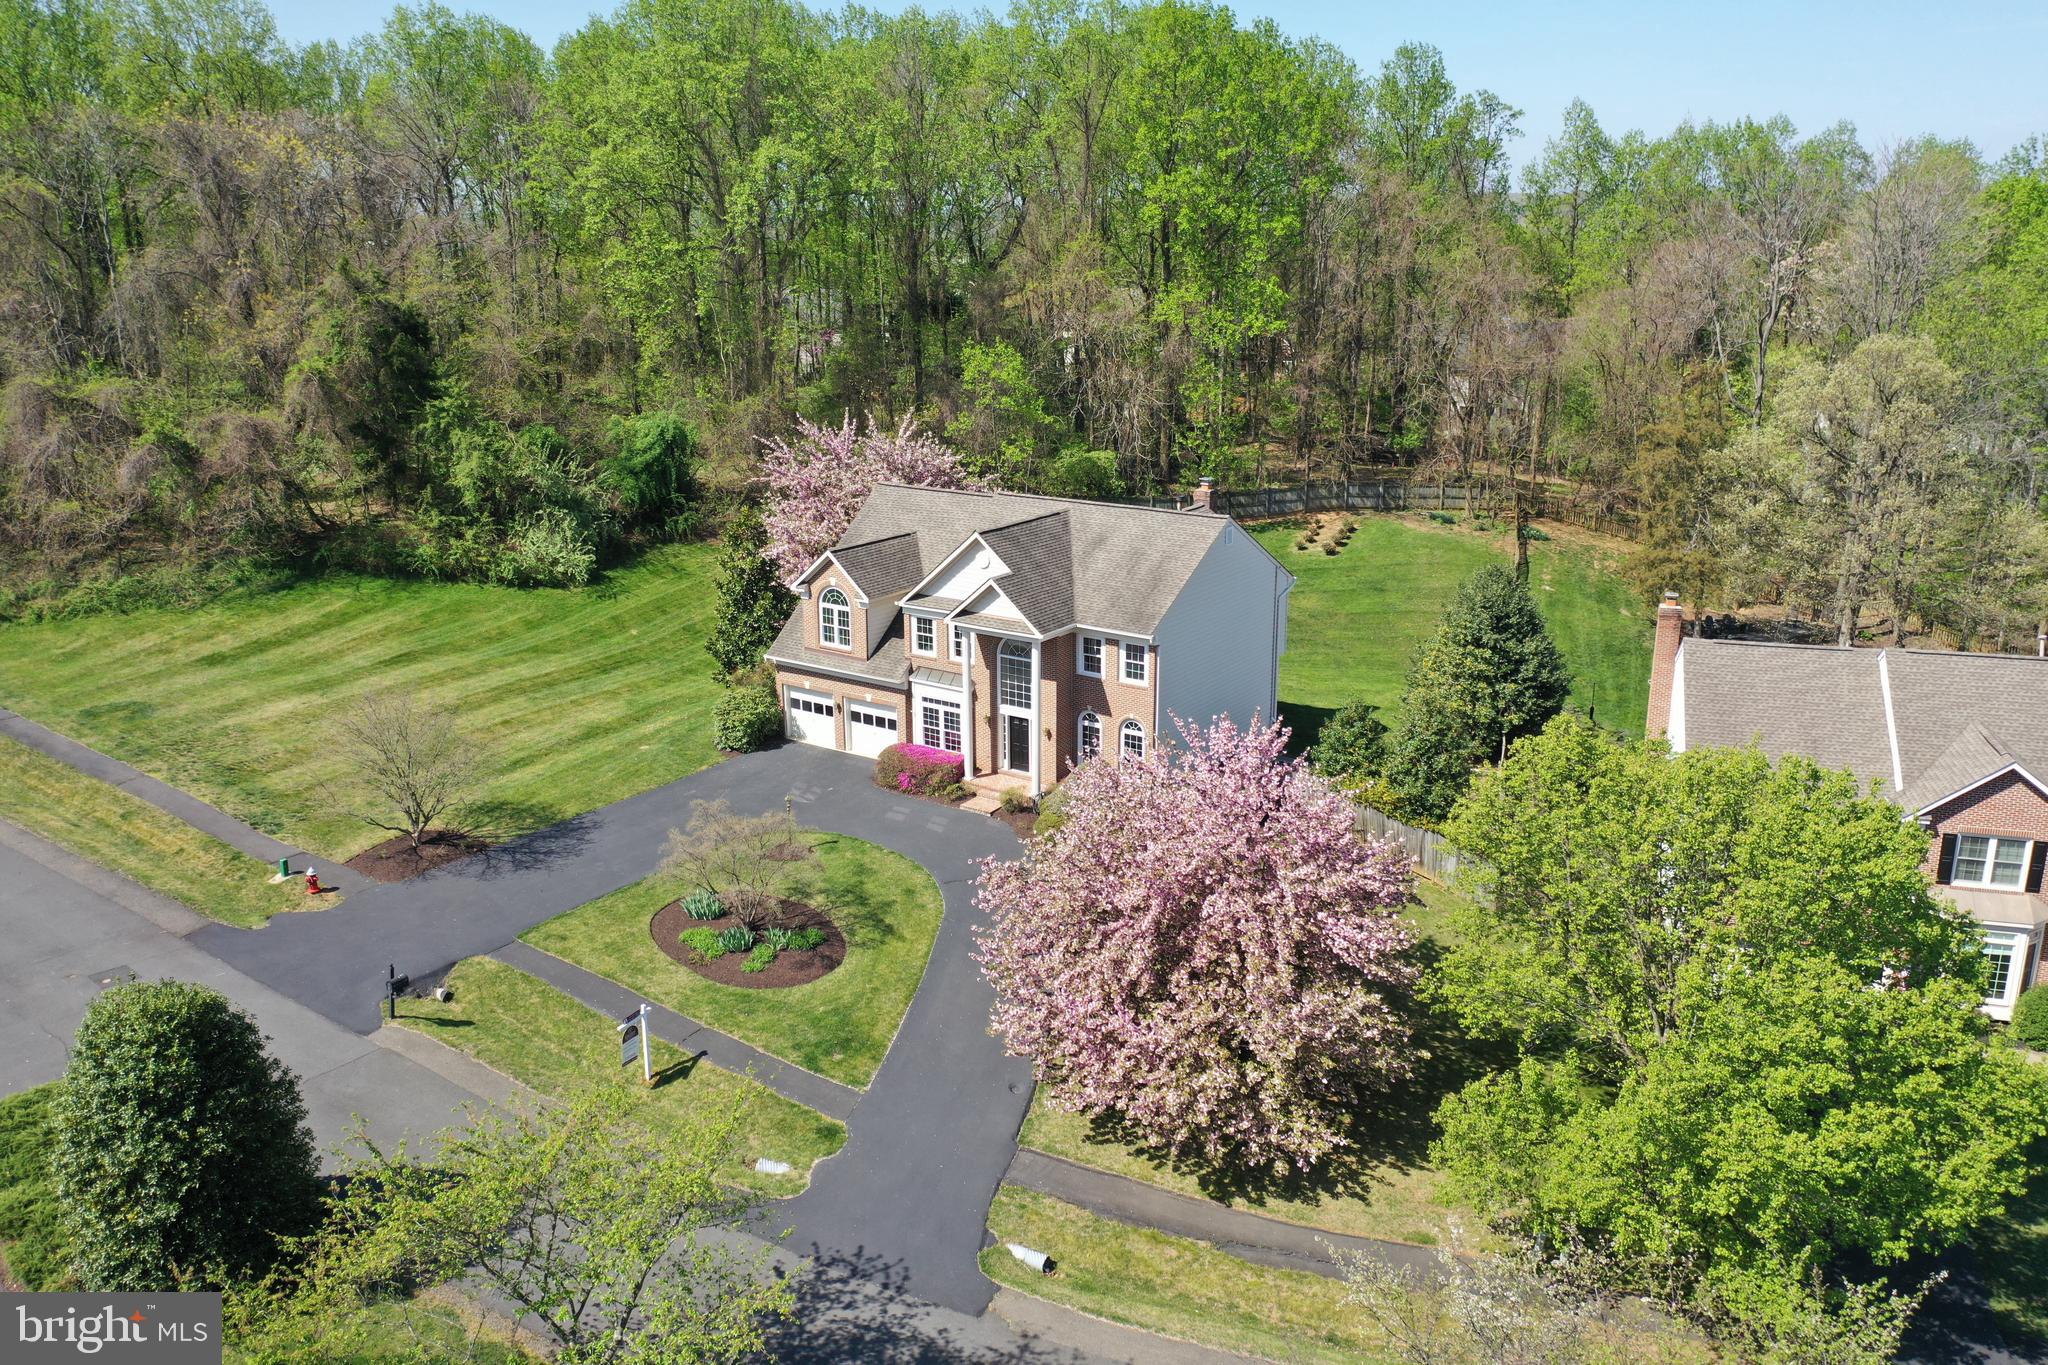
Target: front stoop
{"points": [[984, 804]]}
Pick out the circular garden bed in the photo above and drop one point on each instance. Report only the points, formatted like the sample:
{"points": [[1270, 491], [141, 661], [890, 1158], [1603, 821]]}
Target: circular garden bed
{"points": [[790, 966]]}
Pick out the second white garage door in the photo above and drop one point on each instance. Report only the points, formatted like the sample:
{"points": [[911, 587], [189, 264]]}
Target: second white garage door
{"points": [[810, 718], [869, 729]]}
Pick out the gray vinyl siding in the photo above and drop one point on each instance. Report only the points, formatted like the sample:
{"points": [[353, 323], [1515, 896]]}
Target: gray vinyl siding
{"points": [[1220, 641]]}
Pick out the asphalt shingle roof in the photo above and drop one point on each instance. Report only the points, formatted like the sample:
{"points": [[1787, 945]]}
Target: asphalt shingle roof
{"points": [[1072, 563], [1958, 717]]}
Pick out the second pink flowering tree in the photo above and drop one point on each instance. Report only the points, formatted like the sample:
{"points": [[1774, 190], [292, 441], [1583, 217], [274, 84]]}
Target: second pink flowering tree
{"points": [[818, 478], [1204, 951]]}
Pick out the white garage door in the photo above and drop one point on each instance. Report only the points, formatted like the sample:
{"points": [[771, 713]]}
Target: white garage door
{"points": [[810, 718], [869, 729]]}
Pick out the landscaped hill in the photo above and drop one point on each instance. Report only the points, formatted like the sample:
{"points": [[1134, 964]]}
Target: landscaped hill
{"points": [[578, 698], [1358, 617]]}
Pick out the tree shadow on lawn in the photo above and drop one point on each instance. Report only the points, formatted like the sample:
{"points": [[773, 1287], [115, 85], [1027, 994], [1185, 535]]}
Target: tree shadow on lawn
{"points": [[860, 921], [1392, 1135], [1305, 722]]}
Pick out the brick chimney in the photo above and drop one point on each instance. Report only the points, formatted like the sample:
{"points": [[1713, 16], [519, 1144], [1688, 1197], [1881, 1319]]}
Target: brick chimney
{"points": [[1205, 493], [1663, 663]]}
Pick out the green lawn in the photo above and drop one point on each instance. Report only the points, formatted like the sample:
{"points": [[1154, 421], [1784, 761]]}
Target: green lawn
{"points": [[428, 1329], [533, 1033], [578, 698], [840, 1025], [1357, 618], [106, 825], [2012, 1256], [30, 1238], [1175, 1286]]}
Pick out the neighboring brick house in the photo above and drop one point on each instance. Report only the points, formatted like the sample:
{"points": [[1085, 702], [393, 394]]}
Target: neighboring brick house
{"points": [[1026, 633], [1960, 741]]}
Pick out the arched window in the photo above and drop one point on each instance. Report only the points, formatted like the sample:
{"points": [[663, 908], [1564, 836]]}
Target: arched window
{"points": [[1013, 677], [835, 619], [1133, 741], [1091, 735]]}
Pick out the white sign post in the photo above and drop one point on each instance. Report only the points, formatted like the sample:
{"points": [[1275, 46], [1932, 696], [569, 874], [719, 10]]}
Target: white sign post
{"points": [[636, 1039]]}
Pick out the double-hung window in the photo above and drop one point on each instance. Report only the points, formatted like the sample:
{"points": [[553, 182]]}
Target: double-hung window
{"points": [[1091, 656], [1134, 662], [1091, 735], [1132, 738], [835, 620], [1989, 860], [938, 726], [958, 643], [924, 635]]}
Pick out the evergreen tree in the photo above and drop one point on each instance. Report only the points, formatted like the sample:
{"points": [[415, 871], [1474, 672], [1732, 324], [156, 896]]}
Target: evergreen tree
{"points": [[182, 1153], [1491, 675], [752, 603]]}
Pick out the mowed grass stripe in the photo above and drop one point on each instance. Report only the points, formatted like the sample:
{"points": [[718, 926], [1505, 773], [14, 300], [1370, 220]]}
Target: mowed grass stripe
{"points": [[579, 698], [1357, 619]]}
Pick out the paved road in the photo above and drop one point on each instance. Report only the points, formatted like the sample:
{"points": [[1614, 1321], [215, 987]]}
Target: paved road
{"points": [[71, 928]]}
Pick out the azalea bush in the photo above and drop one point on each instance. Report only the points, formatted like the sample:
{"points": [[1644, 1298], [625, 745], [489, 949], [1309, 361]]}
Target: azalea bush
{"points": [[1205, 951], [819, 478], [918, 770]]}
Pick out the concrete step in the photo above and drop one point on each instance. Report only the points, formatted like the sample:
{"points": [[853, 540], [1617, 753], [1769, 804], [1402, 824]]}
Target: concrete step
{"points": [[982, 805]]}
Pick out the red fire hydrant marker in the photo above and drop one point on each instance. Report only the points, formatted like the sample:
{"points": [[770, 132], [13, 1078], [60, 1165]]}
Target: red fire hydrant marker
{"points": [[312, 882]]}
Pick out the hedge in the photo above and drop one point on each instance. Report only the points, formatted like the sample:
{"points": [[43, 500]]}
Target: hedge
{"points": [[917, 770]]}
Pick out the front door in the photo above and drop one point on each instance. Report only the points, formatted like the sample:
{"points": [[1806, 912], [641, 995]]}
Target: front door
{"points": [[1017, 743]]}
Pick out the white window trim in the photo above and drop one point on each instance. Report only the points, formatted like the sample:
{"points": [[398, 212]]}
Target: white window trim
{"points": [[1009, 654], [826, 605], [943, 707], [1993, 841], [956, 643], [929, 624], [1081, 736], [1123, 664], [1123, 730], [2016, 944], [1081, 655]]}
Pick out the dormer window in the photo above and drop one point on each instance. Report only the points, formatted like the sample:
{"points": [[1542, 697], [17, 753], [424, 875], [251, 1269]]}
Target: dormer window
{"points": [[835, 620]]}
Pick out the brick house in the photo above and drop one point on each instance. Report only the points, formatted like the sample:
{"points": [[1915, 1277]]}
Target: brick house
{"points": [[1026, 633], [1959, 741]]}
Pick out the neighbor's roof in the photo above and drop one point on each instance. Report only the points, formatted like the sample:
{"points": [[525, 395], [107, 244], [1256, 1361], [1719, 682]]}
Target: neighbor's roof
{"points": [[1071, 562], [1956, 718]]}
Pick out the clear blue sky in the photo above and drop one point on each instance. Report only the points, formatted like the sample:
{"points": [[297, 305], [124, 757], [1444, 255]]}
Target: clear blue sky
{"points": [[1971, 70]]}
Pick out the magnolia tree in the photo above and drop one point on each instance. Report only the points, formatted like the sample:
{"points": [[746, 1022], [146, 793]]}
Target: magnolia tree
{"points": [[1204, 950], [818, 479]]}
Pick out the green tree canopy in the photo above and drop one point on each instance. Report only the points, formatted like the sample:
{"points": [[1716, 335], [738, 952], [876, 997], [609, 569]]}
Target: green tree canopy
{"points": [[182, 1156], [1489, 676]]}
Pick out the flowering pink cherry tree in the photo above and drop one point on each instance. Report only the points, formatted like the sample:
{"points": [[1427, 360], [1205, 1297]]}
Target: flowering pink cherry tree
{"points": [[1204, 950], [818, 479]]}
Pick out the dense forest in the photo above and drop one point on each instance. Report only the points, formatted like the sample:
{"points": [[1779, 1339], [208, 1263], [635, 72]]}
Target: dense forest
{"points": [[440, 302]]}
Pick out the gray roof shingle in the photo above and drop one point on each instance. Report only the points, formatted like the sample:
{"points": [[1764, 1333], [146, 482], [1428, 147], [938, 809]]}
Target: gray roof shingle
{"points": [[1958, 717], [889, 666]]}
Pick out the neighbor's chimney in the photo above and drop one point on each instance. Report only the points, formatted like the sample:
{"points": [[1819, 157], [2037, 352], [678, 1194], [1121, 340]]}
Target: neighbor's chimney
{"points": [[1663, 661], [1205, 490]]}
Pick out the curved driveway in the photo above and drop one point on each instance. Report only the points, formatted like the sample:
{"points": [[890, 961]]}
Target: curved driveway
{"points": [[908, 1196]]}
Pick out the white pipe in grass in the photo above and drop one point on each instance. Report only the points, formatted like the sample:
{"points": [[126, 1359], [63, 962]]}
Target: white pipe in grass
{"points": [[1037, 1260]]}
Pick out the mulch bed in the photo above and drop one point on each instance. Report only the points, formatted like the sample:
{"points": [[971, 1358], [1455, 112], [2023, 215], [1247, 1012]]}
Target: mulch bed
{"points": [[1022, 821], [395, 860], [788, 968]]}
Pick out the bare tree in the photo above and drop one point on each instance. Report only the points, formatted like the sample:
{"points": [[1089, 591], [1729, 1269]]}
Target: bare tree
{"points": [[412, 757], [741, 859]]}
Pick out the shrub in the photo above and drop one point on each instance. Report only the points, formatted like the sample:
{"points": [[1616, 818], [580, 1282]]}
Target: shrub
{"points": [[746, 717], [1443, 518], [2030, 1018], [549, 548], [917, 770], [807, 938], [1333, 549], [736, 938], [1352, 742], [1535, 533], [31, 1226], [182, 1152], [1052, 812], [706, 943], [758, 960], [1016, 802]]}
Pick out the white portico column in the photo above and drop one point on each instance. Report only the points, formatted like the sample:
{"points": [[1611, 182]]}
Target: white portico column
{"points": [[1036, 701], [967, 705]]}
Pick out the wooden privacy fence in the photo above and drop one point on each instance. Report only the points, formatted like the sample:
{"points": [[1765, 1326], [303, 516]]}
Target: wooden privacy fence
{"points": [[1398, 495], [1425, 847]]}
